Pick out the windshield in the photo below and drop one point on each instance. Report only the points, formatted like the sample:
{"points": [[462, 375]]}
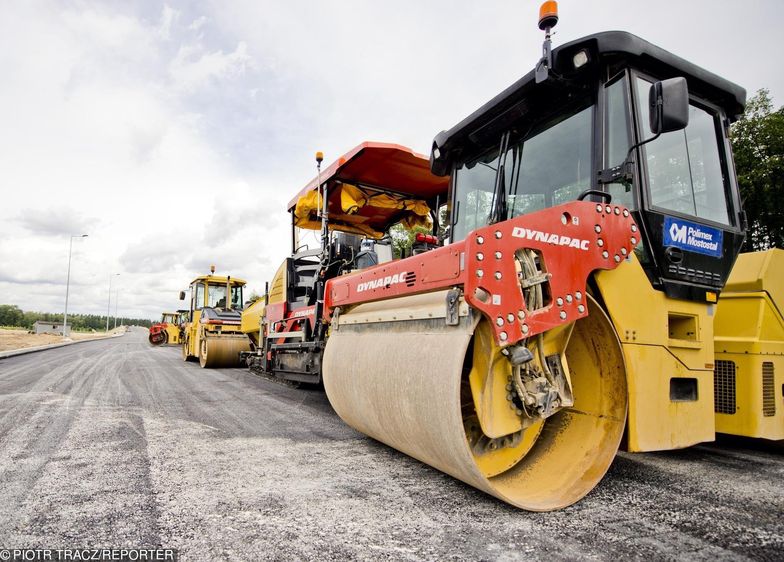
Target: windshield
{"points": [[549, 165], [216, 296]]}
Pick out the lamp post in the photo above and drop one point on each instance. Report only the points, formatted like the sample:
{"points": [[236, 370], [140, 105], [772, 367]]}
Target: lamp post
{"points": [[109, 304], [68, 283], [116, 303]]}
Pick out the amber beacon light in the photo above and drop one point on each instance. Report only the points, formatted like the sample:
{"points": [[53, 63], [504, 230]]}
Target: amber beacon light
{"points": [[548, 14]]}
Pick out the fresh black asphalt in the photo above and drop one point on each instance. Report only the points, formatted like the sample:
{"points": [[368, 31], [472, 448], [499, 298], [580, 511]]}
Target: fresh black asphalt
{"points": [[116, 443]]}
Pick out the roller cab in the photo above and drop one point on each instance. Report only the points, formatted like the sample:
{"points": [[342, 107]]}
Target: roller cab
{"points": [[212, 334], [611, 117]]}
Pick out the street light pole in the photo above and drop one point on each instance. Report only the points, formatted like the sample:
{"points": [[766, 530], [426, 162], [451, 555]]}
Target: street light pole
{"points": [[109, 304], [68, 283], [116, 302]]}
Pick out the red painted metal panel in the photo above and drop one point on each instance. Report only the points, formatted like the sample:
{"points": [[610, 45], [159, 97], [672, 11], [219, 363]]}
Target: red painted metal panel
{"points": [[307, 313], [572, 240], [275, 312]]}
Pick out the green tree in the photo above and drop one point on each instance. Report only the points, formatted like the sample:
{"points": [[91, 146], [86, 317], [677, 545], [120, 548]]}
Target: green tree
{"points": [[403, 239], [443, 222], [758, 147], [29, 319], [254, 296], [11, 315]]}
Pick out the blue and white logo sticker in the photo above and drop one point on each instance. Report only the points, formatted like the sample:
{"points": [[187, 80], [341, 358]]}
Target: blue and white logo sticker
{"points": [[693, 237]]}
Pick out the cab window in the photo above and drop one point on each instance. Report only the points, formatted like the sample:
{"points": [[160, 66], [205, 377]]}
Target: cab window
{"points": [[551, 167], [198, 304], [684, 167], [548, 163], [617, 139], [216, 296], [236, 296]]}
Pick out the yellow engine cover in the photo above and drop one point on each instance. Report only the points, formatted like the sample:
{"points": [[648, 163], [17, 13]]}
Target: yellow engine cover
{"points": [[749, 330], [255, 313], [668, 348], [251, 320]]}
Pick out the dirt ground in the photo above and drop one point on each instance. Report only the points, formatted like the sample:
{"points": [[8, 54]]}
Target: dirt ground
{"points": [[20, 339]]}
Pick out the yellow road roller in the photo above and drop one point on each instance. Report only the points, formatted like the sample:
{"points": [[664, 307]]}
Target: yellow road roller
{"points": [[564, 309], [212, 332], [749, 330], [167, 331]]}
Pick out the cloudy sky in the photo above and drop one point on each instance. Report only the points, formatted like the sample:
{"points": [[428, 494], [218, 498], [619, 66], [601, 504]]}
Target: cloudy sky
{"points": [[175, 133]]}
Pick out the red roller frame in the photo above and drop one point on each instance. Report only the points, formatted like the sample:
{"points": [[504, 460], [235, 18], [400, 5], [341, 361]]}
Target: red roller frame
{"points": [[573, 240]]}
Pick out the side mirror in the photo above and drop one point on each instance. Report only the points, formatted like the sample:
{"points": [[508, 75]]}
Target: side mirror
{"points": [[668, 103], [182, 295]]}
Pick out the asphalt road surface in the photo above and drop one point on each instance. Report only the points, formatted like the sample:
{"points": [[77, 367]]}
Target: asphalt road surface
{"points": [[115, 443]]}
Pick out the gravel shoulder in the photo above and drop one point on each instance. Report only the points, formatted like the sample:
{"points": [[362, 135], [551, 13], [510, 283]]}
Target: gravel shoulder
{"points": [[12, 339], [117, 443]]}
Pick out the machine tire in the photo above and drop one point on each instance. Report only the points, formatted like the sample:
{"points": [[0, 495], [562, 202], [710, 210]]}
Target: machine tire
{"points": [[185, 356], [203, 354]]}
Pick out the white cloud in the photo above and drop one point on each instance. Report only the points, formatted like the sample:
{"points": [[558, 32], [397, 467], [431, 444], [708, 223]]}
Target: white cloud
{"points": [[192, 67], [54, 221], [155, 252], [198, 23], [168, 17]]}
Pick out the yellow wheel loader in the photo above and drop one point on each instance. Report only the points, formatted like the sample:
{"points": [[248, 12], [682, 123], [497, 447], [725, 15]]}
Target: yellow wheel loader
{"points": [[212, 332], [593, 220]]}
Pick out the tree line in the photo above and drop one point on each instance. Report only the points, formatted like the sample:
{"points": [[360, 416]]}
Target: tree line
{"points": [[12, 315]]}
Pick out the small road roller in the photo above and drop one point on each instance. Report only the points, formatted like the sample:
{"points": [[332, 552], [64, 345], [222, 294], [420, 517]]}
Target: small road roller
{"points": [[212, 332], [167, 331]]}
